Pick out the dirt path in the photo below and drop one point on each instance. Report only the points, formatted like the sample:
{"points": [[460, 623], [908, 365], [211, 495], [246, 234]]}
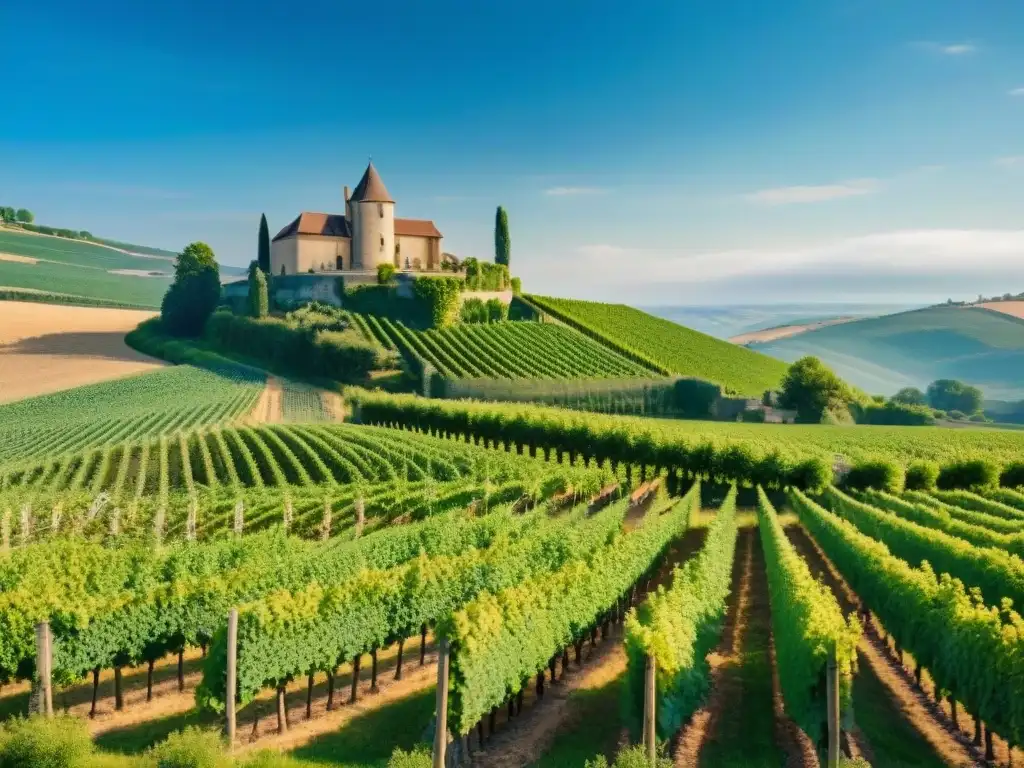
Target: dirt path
{"points": [[269, 409], [784, 331], [48, 347], [910, 715], [743, 723]]}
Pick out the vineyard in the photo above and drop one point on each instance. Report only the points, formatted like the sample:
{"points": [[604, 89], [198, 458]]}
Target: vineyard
{"points": [[305, 581], [149, 405], [666, 347], [505, 350]]}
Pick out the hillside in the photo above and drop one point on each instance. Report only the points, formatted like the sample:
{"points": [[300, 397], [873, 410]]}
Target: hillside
{"points": [[881, 355], [667, 347], [507, 350]]}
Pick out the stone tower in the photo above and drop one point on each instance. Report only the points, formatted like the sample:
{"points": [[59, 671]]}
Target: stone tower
{"points": [[372, 223]]}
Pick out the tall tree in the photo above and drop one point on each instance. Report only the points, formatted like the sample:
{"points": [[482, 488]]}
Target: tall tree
{"points": [[194, 293], [6, 214], [24, 215], [953, 395], [263, 254], [811, 389], [502, 240], [259, 300]]}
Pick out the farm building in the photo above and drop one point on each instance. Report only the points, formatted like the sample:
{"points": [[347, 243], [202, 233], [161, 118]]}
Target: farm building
{"points": [[364, 237]]}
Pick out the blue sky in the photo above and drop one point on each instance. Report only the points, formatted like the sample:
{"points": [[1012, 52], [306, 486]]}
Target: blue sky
{"points": [[676, 151]]}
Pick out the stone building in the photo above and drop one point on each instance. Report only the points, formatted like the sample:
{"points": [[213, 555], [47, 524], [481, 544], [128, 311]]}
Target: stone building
{"points": [[364, 237]]}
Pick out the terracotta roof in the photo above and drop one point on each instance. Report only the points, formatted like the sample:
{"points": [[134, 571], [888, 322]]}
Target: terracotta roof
{"points": [[370, 188], [326, 224], [416, 228], [335, 225]]}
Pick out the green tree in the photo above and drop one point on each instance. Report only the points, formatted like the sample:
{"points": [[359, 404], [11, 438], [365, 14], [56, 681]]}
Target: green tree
{"points": [[194, 293], [263, 252], [953, 395], [6, 214], [259, 298], [811, 389], [910, 396], [24, 215], [385, 273], [502, 239]]}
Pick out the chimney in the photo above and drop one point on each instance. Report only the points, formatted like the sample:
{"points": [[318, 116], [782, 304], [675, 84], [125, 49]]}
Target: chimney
{"points": [[347, 195]]}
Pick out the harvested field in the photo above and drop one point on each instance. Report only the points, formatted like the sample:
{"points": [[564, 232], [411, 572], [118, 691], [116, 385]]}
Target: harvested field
{"points": [[1011, 308], [46, 347]]}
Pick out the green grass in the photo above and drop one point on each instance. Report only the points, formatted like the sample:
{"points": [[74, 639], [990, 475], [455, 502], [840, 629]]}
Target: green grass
{"points": [[82, 280], [668, 347], [882, 354], [78, 253], [136, 738], [367, 741], [592, 729], [895, 743]]}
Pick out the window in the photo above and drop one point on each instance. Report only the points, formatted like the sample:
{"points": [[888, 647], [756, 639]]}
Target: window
{"points": [[382, 242], [380, 209]]}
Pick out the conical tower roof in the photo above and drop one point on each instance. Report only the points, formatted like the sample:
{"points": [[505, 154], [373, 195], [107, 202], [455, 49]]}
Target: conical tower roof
{"points": [[370, 188]]}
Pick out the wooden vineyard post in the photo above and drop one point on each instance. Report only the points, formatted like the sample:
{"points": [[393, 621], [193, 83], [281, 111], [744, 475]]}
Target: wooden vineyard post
{"points": [[832, 692], [441, 726], [44, 663], [232, 683], [360, 515], [650, 741]]}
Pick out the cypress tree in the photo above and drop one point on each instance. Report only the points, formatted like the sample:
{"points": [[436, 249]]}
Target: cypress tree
{"points": [[263, 254], [502, 241], [259, 301]]}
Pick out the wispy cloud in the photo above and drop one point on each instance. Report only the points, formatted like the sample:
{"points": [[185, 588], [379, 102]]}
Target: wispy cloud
{"points": [[570, 191], [814, 194], [1017, 91], [1011, 161], [947, 49], [906, 252]]}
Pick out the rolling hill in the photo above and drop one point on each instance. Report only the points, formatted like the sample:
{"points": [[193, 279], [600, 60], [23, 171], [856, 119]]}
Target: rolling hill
{"points": [[667, 347], [33, 265], [979, 346]]}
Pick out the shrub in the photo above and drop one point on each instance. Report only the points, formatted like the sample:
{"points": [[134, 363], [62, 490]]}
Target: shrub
{"points": [[895, 414], [517, 285], [631, 757], [880, 474], [968, 475], [418, 757], [195, 292], [811, 475], [385, 274], [36, 742], [191, 748], [922, 476], [956, 415], [1012, 475], [753, 416], [496, 311], [811, 389], [303, 351], [473, 311]]}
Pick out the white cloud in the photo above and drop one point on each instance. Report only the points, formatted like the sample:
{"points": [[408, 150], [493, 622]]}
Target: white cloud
{"points": [[908, 252], [1017, 92], [1012, 161], [958, 49], [568, 191], [814, 194], [947, 49]]}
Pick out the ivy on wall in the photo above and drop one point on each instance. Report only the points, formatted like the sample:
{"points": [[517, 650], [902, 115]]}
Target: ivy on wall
{"points": [[442, 296]]}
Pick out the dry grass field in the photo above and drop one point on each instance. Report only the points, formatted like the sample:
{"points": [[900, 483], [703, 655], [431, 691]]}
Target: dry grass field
{"points": [[1012, 308], [47, 347]]}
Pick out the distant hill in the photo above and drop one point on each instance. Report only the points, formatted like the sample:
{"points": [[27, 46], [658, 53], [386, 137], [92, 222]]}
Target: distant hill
{"points": [[667, 347], [145, 250], [880, 355]]}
